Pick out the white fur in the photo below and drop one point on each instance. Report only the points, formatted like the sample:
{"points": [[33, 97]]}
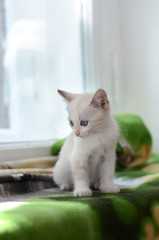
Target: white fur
{"points": [[88, 160]]}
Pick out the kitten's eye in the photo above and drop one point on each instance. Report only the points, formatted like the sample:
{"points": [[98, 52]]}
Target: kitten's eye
{"points": [[84, 123], [71, 123]]}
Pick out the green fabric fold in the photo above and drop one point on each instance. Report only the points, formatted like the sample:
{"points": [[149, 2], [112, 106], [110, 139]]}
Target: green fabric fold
{"points": [[47, 219]]}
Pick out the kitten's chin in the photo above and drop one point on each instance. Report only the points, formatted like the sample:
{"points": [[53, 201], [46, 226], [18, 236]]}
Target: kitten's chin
{"points": [[79, 136]]}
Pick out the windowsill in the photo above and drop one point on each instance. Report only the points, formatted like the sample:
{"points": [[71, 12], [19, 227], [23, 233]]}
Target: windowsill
{"points": [[17, 151]]}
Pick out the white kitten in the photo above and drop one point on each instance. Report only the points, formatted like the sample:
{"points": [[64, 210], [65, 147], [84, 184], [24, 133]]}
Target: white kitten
{"points": [[87, 158]]}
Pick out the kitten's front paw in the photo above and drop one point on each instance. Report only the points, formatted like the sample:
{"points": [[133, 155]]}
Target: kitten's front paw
{"points": [[85, 192], [111, 188], [65, 186]]}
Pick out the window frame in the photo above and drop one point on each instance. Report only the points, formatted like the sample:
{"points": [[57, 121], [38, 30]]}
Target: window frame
{"points": [[3, 106]]}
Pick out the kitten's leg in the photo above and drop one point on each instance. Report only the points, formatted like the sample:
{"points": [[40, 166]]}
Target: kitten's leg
{"points": [[62, 174], [81, 175], [107, 174]]}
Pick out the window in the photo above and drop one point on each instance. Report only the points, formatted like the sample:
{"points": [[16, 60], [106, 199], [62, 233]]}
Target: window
{"points": [[40, 49], [75, 46]]}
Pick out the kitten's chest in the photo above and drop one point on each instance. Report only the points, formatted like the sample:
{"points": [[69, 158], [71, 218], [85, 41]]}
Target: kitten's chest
{"points": [[94, 162], [95, 145], [96, 151]]}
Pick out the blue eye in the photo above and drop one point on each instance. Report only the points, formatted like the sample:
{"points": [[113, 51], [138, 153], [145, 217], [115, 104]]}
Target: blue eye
{"points": [[71, 123], [84, 123]]}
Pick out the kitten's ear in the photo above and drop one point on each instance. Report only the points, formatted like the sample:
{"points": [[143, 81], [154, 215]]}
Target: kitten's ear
{"points": [[68, 96], [100, 99]]}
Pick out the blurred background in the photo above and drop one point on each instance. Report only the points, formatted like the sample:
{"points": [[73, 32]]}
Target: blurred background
{"points": [[76, 46]]}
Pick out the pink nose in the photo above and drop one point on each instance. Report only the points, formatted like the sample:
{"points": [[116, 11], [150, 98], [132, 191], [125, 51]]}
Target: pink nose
{"points": [[77, 133]]}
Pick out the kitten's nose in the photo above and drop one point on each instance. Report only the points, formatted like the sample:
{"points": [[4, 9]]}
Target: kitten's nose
{"points": [[77, 133]]}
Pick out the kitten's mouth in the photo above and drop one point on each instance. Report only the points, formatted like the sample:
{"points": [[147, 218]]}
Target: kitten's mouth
{"points": [[81, 136], [78, 136]]}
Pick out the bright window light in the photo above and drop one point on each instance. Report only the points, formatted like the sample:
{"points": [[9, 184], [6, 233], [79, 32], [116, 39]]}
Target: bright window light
{"points": [[41, 49]]}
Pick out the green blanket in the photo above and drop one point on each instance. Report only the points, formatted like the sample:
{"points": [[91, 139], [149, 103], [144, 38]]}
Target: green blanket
{"points": [[134, 144], [131, 214]]}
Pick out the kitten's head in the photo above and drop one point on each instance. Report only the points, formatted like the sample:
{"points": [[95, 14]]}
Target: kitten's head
{"points": [[86, 112]]}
